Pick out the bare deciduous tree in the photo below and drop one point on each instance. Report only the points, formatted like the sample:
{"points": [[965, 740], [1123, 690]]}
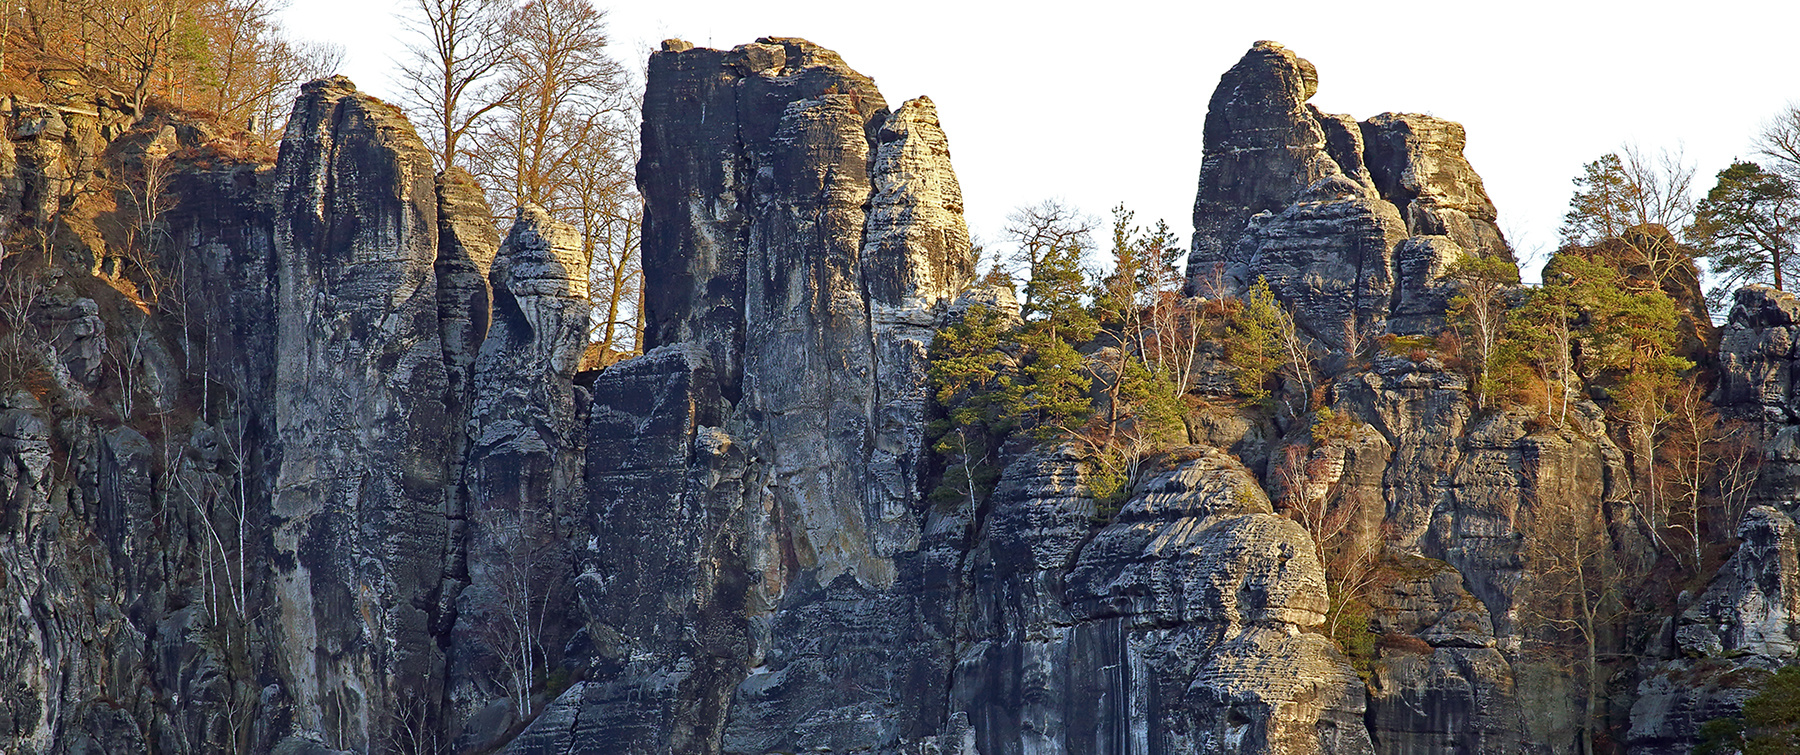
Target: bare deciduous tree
{"points": [[1040, 233], [512, 621], [1686, 462], [1573, 587], [1737, 467], [1780, 143], [1637, 199], [564, 90], [453, 70], [609, 213], [1307, 482], [226, 56]]}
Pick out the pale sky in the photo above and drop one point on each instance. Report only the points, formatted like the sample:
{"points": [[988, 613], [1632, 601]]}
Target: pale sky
{"points": [[1098, 103]]}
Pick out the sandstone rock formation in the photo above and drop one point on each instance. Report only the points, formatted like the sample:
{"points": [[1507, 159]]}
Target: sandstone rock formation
{"points": [[772, 578], [354, 499], [522, 482], [785, 378], [1351, 224], [360, 482], [1747, 619]]}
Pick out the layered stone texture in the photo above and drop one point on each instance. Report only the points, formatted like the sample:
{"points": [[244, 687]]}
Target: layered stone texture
{"points": [[353, 498], [1756, 384], [1747, 620], [1330, 255], [772, 580], [1196, 607], [801, 242], [360, 383], [1440, 684], [467, 242], [1352, 224], [1263, 146], [1417, 163], [523, 480]]}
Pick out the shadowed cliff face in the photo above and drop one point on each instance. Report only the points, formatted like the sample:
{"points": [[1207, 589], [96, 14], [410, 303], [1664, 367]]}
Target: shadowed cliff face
{"points": [[801, 241], [1747, 619], [360, 478], [766, 576]]}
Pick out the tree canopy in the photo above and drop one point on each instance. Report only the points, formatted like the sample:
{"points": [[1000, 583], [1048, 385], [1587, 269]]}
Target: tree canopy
{"points": [[1747, 226]]}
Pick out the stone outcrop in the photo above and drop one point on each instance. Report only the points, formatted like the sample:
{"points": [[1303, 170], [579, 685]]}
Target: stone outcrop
{"points": [[1756, 384], [800, 242], [1352, 224], [1440, 683], [1330, 254], [522, 481], [466, 246], [360, 483], [1747, 620], [773, 579], [1263, 146], [1417, 163], [1205, 603], [355, 498]]}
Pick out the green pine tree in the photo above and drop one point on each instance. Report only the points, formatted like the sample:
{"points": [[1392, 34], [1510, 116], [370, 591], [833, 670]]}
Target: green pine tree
{"points": [[1747, 226]]}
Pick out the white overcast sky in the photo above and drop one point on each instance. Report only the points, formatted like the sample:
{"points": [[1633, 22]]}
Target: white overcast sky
{"points": [[1102, 102]]}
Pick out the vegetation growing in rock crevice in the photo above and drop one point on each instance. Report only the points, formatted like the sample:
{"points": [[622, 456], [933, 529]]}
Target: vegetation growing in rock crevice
{"points": [[1085, 365], [1263, 344]]}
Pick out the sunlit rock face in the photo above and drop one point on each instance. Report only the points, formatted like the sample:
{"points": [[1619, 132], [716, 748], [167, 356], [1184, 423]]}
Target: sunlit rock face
{"points": [[343, 491], [1747, 619], [1352, 224], [765, 574], [802, 242]]}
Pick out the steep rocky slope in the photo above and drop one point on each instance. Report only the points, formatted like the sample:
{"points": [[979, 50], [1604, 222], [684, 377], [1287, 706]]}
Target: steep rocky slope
{"points": [[321, 476], [270, 523], [1708, 658]]}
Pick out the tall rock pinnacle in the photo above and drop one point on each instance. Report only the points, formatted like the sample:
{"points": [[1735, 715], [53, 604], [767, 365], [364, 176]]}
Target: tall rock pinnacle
{"points": [[1352, 224], [801, 241], [360, 385], [1263, 147]]}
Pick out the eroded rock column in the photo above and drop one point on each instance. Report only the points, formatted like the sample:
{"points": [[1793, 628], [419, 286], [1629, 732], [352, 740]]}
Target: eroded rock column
{"points": [[361, 479], [523, 480]]}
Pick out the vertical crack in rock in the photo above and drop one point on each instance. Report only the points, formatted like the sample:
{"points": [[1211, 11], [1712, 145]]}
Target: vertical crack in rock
{"points": [[524, 480], [361, 479], [467, 243], [801, 242]]}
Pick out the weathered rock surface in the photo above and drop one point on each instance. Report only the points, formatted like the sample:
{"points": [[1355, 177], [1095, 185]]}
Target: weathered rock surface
{"points": [[1756, 384], [523, 480], [1747, 620], [1753, 606], [1450, 690], [1353, 225], [1213, 596], [1330, 254], [801, 241], [1263, 147], [360, 484], [353, 500], [467, 243], [1417, 163], [773, 579]]}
